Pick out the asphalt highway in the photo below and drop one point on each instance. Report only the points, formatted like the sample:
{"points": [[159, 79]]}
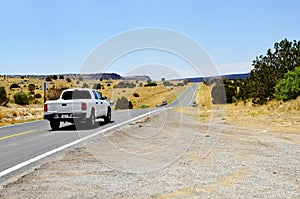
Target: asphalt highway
{"points": [[24, 142]]}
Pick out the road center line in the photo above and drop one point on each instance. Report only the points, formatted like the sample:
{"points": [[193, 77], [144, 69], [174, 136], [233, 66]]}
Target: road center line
{"points": [[17, 134], [35, 159]]}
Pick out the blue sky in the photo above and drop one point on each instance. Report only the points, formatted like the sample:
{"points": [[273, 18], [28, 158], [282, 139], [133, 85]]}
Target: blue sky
{"points": [[48, 37]]}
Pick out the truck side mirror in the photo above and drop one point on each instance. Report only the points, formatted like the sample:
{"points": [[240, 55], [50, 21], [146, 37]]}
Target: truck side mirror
{"points": [[111, 101]]}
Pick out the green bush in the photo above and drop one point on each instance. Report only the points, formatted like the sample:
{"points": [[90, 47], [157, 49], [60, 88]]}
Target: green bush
{"points": [[22, 98], [288, 87]]}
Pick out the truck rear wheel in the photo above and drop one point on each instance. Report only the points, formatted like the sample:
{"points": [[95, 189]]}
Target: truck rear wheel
{"points": [[92, 119], [54, 124], [107, 119]]}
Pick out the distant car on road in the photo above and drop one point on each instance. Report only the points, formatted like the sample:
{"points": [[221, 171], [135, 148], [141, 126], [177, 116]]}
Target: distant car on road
{"points": [[162, 104], [77, 105]]}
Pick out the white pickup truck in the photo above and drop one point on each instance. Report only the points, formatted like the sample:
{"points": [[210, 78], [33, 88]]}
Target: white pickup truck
{"points": [[75, 106]]}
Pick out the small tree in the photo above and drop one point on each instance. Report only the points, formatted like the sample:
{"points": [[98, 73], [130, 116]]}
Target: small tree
{"points": [[55, 77], [61, 77]]}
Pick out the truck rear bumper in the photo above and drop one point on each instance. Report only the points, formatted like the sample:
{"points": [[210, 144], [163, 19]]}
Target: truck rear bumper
{"points": [[65, 117]]}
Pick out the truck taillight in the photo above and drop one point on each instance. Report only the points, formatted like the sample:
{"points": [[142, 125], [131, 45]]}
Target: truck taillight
{"points": [[83, 106], [45, 107]]}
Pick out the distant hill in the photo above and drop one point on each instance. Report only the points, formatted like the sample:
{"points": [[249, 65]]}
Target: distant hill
{"points": [[137, 77], [101, 76], [230, 76], [114, 76]]}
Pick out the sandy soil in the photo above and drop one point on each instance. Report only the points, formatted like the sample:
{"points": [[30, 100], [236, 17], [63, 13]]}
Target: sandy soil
{"points": [[171, 156]]}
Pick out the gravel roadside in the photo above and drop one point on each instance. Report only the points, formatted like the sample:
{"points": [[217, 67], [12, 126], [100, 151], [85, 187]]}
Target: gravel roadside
{"points": [[160, 157]]}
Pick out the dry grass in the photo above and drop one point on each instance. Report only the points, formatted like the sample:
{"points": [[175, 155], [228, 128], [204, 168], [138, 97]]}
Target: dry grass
{"points": [[17, 114], [275, 116]]}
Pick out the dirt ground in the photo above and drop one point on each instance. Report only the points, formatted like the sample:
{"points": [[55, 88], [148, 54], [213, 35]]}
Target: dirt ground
{"points": [[171, 155]]}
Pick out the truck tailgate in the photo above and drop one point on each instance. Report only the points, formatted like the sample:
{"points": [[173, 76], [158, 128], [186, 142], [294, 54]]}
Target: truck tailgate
{"points": [[64, 106]]}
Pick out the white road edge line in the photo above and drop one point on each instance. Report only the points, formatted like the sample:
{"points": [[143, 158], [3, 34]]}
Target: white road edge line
{"points": [[37, 158]]}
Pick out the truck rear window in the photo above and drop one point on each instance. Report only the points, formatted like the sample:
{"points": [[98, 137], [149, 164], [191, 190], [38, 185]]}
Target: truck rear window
{"points": [[68, 95]]}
